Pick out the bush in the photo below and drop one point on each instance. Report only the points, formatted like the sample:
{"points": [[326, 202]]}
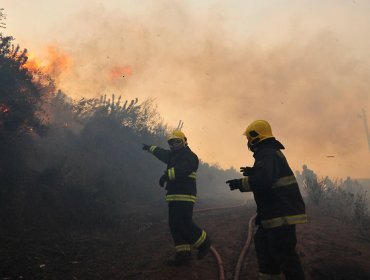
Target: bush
{"points": [[343, 200], [68, 163]]}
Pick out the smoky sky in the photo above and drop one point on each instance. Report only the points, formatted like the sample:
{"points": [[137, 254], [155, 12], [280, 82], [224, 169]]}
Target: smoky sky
{"points": [[310, 85]]}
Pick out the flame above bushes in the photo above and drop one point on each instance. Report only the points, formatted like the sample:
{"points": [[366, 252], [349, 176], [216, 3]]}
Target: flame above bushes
{"points": [[119, 72], [54, 63]]}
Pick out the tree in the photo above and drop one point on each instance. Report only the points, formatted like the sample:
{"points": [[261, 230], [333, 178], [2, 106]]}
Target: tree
{"points": [[20, 95], [2, 17], [21, 117]]}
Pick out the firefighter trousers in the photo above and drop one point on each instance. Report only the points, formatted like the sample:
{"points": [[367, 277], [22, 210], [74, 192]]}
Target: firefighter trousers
{"points": [[275, 248], [185, 233]]}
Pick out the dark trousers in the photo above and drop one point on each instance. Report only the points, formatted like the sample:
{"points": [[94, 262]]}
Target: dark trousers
{"points": [[182, 227], [276, 252]]}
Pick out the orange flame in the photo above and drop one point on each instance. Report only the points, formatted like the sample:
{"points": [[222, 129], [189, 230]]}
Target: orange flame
{"points": [[57, 62], [33, 64], [119, 72], [54, 63]]}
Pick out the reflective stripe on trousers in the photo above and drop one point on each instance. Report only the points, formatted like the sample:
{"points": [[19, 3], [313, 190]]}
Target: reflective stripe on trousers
{"points": [[200, 240], [180, 197], [264, 276], [286, 220], [183, 247]]}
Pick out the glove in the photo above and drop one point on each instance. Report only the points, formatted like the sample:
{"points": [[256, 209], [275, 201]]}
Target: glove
{"points": [[146, 147], [234, 184], [247, 171], [163, 180]]}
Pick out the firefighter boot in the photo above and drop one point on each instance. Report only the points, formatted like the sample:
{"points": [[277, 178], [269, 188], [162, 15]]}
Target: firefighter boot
{"points": [[204, 248], [181, 258]]}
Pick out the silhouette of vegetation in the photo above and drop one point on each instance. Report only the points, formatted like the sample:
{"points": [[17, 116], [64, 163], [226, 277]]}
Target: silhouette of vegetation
{"points": [[2, 17], [21, 122], [77, 163], [345, 200]]}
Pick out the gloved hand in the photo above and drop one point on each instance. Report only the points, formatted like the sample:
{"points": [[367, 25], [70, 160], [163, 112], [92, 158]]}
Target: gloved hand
{"points": [[234, 184], [146, 147], [247, 171], [163, 180]]}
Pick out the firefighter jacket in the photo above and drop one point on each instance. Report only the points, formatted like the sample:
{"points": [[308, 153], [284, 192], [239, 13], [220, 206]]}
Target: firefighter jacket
{"points": [[181, 170], [275, 189]]}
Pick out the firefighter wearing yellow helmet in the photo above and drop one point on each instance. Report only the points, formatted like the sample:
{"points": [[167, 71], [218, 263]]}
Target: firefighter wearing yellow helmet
{"points": [[179, 180], [279, 204], [258, 131]]}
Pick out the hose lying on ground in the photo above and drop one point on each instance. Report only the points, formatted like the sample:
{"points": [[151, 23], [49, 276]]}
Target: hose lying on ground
{"points": [[245, 248], [221, 273]]}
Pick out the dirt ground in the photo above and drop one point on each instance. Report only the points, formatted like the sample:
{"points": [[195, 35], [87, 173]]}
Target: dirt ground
{"points": [[328, 250]]}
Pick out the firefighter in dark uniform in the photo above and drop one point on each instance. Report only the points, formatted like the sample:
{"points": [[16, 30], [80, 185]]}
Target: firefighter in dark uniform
{"points": [[279, 204], [180, 182]]}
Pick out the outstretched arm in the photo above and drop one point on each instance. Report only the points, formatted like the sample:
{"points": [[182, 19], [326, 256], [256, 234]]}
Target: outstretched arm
{"points": [[162, 154]]}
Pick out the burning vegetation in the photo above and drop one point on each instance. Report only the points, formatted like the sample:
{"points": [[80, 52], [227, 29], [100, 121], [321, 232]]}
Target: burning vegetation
{"points": [[70, 167], [54, 64], [72, 163], [120, 72]]}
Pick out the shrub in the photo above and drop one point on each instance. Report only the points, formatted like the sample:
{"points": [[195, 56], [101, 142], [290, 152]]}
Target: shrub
{"points": [[344, 200]]}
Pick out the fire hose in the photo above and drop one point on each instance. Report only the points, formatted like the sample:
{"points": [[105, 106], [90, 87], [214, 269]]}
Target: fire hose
{"points": [[221, 271], [244, 250]]}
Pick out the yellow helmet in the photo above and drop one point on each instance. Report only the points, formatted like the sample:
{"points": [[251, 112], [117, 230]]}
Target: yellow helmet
{"points": [[258, 131], [176, 134]]}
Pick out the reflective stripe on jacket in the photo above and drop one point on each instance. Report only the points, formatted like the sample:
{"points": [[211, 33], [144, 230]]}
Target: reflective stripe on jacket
{"points": [[181, 171], [275, 189]]}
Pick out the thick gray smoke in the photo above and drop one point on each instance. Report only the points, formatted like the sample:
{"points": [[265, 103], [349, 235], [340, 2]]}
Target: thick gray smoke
{"points": [[310, 86]]}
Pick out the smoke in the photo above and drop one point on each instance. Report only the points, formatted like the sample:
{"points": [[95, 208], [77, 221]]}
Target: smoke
{"points": [[53, 62], [310, 86]]}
